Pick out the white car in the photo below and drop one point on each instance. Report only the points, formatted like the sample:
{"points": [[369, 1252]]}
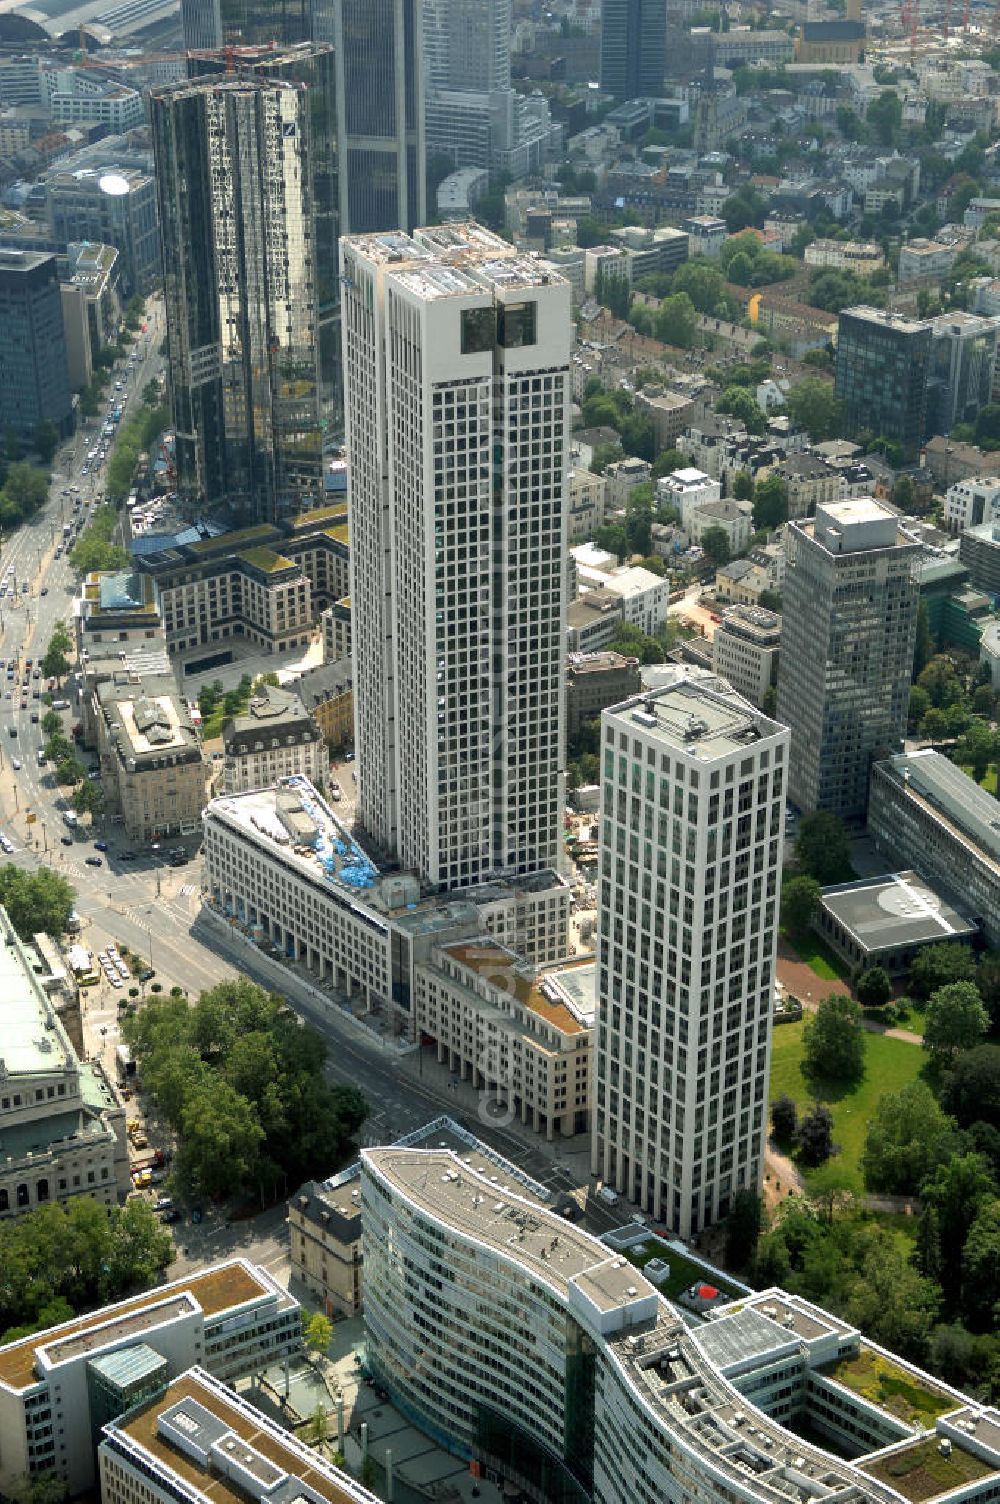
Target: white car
{"points": [[16, 765]]}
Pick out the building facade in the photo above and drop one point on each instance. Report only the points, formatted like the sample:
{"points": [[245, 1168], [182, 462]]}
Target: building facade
{"points": [[114, 207], [971, 502], [848, 628], [693, 788], [324, 1243], [235, 197], [457, 385], [593, 682], [152, 771], [34, 371], [881, 376]]}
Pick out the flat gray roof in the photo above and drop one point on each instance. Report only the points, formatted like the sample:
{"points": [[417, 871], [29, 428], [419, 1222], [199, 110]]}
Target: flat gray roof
{"points": [[958, 797], [697, 714], [31, 1037], [898, 909]]}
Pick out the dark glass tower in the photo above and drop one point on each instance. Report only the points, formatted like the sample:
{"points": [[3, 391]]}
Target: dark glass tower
{"points": [[881, 376], [633, 48], [236, 220], [380, 111]]}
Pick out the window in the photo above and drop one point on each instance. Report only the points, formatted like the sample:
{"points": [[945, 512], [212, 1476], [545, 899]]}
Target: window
{"points": [[517, 325], [478, 330]]}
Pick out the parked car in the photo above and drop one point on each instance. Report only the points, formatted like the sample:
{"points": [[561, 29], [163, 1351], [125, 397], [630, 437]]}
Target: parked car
{"points": [[93, 861]]}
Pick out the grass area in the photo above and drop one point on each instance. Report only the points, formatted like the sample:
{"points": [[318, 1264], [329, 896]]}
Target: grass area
{"points": [[884, 1383], [889, 1065], [919, 1471], [683, 1273], [814, 952]]}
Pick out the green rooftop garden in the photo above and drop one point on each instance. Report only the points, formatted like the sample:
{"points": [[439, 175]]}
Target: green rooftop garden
{"points": [[920, 1472], [230, 542], [895, 1389], [683, 1272], [265, 559]]}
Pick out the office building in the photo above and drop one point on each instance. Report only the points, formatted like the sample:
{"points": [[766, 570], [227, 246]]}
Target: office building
{"points": [[960, 373], [467, 44], [152, 771], [280, 864], [555, 1365], [745, 651], [380, 85], [693, 781], [62, 1129], [456, 353], [275, 738], [979, 551], [239, 286], [82, 98], [885, 921], [881, 376], [91, 305], [34, 370], [927, 814], [60, 1386], [633, 48], [848, 626], [327, 692], [110, 206], [201, 24], [971, 502], [311, 64], [197, 1442]]}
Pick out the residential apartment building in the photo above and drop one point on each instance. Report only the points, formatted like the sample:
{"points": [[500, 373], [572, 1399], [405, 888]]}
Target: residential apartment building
{"points": [[152, 771], [692, 805], [859, 256], [197, 1441], [276, 738], [734, 518], [586, 503], [925, 813], [687, 491], [924, 261], [848, 627], [971, 503], [34, 372], [669, 412], [239, 289], [881, 375], [324, 1242], [58, 1387], [458, 611], [592, 620], [62, 1129], [281, 865], [335, 623], [554, 1365], [809, 481], [621, 478], [327, 692], [745, 650], [593, 682]]}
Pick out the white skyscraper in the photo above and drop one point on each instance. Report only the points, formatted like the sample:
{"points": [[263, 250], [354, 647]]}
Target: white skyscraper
{"points": [[467, 44], [456, 383], [693, 786]]}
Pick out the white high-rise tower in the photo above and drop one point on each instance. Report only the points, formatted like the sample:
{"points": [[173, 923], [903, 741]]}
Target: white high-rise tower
{"points": [[693, 783], [456, 385]]}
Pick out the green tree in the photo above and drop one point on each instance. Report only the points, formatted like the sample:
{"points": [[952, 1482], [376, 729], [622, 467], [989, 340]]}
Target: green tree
{"points": [[953, 1196], [976, 748], [874, 988], [885, 115], [715, 542], [55, 663], [784, 1118], [894, 1304], [822, 849], [813, 406], [88, 798], [955, 1020], [935, 966], [981, 1267], [941, 682], [833, 1041], [988, 982], [744, 1226], [743, 485], [770, 503], [971, 1088], [37, 902], [745, 207], [703, 284], [677, 321], [738, 401], [318, 1333], [800, 898], [25, 489], [908, 1136], [51, 723], [45, 441], [814, 1136]]}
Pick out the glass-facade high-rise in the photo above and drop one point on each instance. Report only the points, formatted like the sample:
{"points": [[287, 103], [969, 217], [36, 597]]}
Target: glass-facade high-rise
{"points": [[633, 48], [881, 376], [380, 112], [239, 283]]}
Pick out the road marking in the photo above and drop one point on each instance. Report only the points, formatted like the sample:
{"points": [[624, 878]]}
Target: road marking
{"points": [[186, 889]]}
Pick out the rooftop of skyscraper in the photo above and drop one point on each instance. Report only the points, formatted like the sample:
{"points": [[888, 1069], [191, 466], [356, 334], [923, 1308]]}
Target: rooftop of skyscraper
{"points": [[697, 714]]}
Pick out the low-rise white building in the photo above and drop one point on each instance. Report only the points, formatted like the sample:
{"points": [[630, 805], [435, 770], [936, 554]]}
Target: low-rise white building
{"points": [[735, 518], [687, 491], [968, 503], [585, 494], [745, 650]]}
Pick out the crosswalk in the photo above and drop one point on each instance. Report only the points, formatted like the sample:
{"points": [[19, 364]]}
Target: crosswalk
{"points": [[186, 889]]}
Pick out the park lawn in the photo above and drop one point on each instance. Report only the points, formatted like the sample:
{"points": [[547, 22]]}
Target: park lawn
{"points": [[989, 783], [814, 952], [889, 1065]]}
